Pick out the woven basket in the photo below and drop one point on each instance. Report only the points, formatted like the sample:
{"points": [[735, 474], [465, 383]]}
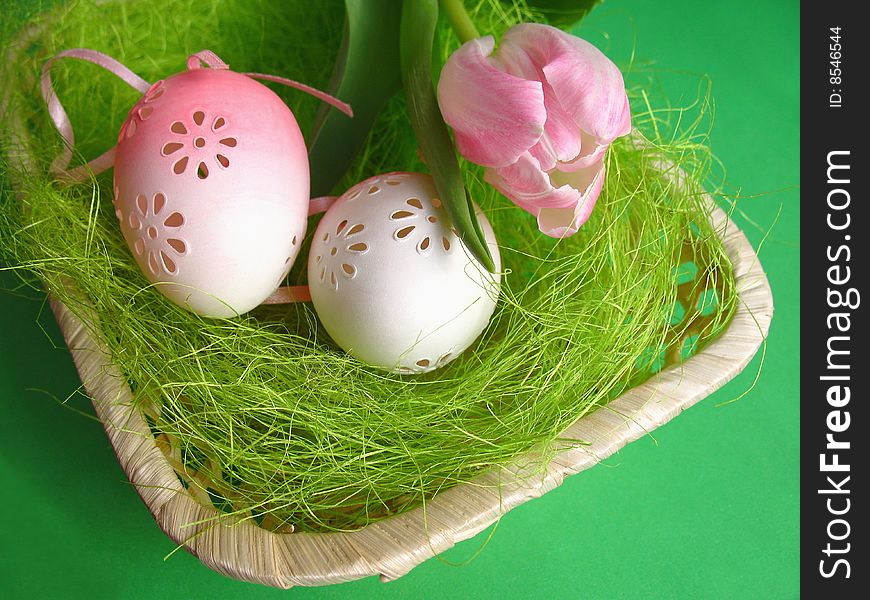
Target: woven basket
{"points": [[391, 547]]}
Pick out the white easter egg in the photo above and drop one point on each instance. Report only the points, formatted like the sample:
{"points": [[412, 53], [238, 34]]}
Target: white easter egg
{"points": [[392, 283]]}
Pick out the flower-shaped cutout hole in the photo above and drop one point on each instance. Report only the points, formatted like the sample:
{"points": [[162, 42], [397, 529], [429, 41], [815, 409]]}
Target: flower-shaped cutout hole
{"points": [[115, 199], [168, 263], [142, 111], [354, 192], [205, 145], [180, 165], [426, 364], [404, 232], [156, 91], [171, 148], [444, 359], [156, 234], [428, 231], [339, 260], [176, 219]]}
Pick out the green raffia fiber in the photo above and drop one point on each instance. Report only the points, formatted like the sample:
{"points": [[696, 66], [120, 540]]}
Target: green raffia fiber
{"points": [[266, 414]]}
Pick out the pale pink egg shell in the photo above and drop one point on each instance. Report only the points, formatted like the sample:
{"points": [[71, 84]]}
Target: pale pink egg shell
{"points": [[216, 243]]}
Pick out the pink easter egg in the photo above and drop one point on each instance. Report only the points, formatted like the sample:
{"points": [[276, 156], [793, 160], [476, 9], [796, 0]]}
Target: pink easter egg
{"points": [[211, 189]]}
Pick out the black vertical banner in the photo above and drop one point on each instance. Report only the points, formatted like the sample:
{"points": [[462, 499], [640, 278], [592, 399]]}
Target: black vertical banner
{"points": [[835, 348]]}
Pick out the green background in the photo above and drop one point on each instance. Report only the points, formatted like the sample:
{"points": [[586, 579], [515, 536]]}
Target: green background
{"points": [[706, 506]]}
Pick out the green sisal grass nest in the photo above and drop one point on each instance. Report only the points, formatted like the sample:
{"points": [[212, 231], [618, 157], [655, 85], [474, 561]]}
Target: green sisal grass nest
{"points": [[262, 415]]}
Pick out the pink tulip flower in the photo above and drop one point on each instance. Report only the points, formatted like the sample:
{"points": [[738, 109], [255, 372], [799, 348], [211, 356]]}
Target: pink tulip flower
{"points": [[539, 114]]}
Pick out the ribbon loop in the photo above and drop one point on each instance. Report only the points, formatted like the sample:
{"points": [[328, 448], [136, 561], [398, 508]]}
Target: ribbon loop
{"points": [[62, 121], [213, 61], [207, 58]]}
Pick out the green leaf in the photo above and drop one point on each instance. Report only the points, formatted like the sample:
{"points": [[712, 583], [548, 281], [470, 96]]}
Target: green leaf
{"points": [[419, 18], [562, 13], [366, 75]]}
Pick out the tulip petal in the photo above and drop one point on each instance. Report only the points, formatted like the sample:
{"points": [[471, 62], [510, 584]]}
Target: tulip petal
{"points": [[591, 153], [584, 81], [495, 116], [561, 201], [590, 181], [528, 186], [561, 141]]}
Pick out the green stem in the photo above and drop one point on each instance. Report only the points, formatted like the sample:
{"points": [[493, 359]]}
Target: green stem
{"points": [[459, 20], [416, 36]]}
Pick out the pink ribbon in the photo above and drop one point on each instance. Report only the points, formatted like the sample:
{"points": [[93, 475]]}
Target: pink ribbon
{"points": [[62, 122], [60, 165], [207, 57], [289, 295], [331, 100], [320, 204]]}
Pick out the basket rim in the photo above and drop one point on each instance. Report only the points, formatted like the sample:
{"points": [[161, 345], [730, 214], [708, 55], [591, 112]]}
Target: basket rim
{"points": [[391, 547]]}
